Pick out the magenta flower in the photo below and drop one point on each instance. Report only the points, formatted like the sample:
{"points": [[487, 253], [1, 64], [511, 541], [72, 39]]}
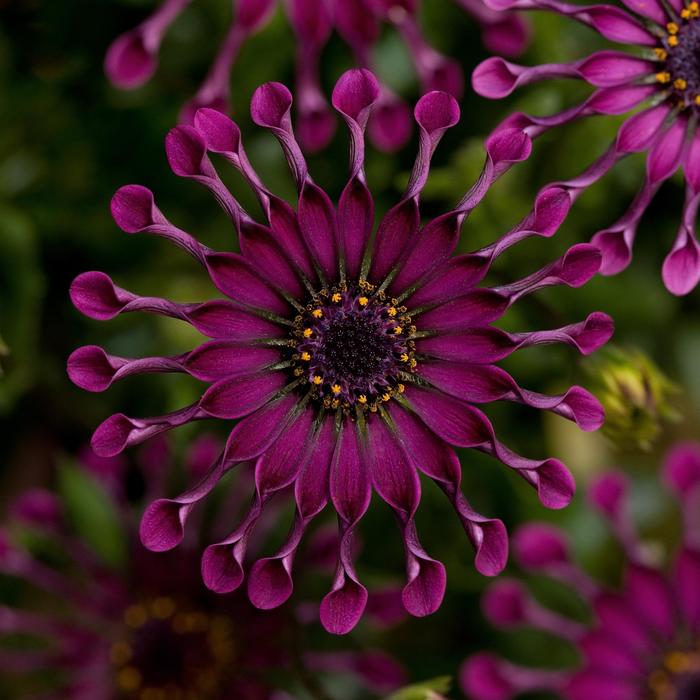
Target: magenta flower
{"points": [[149, 632], [352, 361], [664, 74], [643, 640], [132, 59]]}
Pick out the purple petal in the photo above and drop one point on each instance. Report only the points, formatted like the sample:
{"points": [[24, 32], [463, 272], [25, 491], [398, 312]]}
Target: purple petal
{"points": [[431, 247], [681, 468], [478, 307], [395, 231], [238, 396], [482, 678], [391, 123], [260, 248], [638, 132], [222, 135], [95, 295], [539, 545], [318, 226], [255, 433], [219, 359], [221, 319], [687, 579], [234, 276], [665, 156], [129, 62]]}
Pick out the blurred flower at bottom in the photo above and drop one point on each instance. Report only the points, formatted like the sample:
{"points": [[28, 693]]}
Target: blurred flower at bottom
{"points": [[87, 614], [641, 639]]}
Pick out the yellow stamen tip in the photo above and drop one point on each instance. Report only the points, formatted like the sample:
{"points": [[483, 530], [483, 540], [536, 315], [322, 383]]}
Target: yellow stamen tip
{"points": [[680, 84], [317, 380], [391, 311], [673, 41], [663, 77], [305, 356], [362, 398], [697, 99], [661, 54], [414, 363], [672, 28], [685, 14], [335, 298], [363, 301], [317, 313], [336, 388], [404, 358], [308, 332], [386, 397], [401, 388], [398, 330]]}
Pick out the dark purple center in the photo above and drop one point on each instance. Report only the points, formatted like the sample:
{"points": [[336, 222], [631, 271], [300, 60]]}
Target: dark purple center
{"points": [[168, 652], [683, 61], [352, 347], [689, 687]]}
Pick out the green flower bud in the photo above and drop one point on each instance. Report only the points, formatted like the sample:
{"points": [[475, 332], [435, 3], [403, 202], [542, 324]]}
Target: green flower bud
{"points": [[636, 396]]}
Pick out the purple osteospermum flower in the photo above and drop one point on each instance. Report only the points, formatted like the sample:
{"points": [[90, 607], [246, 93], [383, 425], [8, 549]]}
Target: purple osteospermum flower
{"points": [[666, 75], [131, 60], [352, 361], [644, 639], [149, 631]]}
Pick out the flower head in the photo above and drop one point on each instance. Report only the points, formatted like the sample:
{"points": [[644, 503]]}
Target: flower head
{"points": [[636, 395], [351, 361], [149, 631], [132, 59], [643, 640], [664, 74]]}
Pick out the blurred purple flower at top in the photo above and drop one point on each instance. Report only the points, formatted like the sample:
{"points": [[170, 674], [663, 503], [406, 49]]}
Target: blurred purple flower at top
{"points": [[149, 630], [643, 641], [352, 361], [664, 74], [132, 59]]}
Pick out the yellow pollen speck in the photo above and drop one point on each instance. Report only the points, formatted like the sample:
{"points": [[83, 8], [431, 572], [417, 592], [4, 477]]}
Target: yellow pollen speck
{"points": [[335, 298], [672, 28], [663, 77], [401, 388], [317, 380], [362, 398], [120, 653], [673, 41], [163, 608], [386, 397], [336, 388], [308, 332], [413, 363], [363, 301], [685, 14], [135, 616], [305, 356], [391, 311], [697, 99], [398, 330], [317, 313], [661, 54], [677, 662], [404, 358], [680, 84], [129, 678]]}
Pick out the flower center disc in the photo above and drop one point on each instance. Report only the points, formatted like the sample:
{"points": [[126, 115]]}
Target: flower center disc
{"points": [[352, 346], [169, 653]]}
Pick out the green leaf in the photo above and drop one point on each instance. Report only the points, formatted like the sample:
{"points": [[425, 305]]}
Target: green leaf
{"points": [[428, 690], [93, 514]]}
